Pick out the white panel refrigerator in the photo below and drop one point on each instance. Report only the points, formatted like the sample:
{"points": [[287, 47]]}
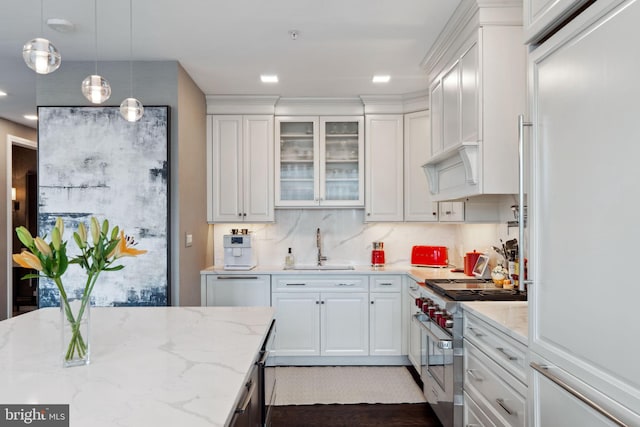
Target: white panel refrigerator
{"points": [[584, 200]]}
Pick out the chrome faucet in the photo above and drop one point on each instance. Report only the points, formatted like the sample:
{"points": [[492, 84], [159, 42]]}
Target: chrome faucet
{"points": [[319, 245]]}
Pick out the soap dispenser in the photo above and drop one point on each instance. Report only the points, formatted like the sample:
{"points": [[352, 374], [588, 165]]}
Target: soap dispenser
{"points": [[289, 260]]}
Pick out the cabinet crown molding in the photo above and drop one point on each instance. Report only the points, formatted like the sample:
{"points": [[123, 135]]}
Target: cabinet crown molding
{"points": [[466, 19], [241, 104]]}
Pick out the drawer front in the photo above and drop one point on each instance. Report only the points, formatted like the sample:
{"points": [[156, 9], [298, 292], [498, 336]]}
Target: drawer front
{"points": [[511, 353], [385, 283], [491, 386], [474, 416], [320, 283]]}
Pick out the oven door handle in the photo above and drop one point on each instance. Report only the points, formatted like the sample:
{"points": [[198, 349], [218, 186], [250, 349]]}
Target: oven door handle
{"points": [[442, 344]]}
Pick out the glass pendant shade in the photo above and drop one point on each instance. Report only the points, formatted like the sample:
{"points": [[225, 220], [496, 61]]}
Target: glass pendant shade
{"points": [[96, 89], [41, 56], [131, 109]]}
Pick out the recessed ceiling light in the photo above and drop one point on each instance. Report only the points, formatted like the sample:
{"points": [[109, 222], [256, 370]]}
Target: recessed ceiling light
{"points": [[269, 78], [381, 79], [3, 93], [30, 117]]}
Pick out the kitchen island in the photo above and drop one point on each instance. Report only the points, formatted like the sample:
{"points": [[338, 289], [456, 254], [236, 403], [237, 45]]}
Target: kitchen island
{"points": [[159, 366]]}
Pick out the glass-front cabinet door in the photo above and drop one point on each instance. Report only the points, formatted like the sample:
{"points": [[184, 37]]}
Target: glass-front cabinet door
{"points": [[341, 167], [319, 161], [297, 158]]}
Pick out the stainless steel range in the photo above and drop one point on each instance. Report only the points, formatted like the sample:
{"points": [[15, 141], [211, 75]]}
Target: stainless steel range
{"points": [[440, 320]]}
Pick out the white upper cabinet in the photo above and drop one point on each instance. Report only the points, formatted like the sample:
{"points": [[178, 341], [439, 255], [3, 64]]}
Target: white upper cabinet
{"points": [[451, 108], [478, 82], [541, 16], [319, 161], [384, 164], [417, 150], [240, 168]]}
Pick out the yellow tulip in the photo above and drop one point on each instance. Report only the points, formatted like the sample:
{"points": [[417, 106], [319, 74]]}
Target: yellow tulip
{"points": [[123, 249], [42, 246], [60, 226], [94, 227], [82, 232], [28, 260], [25, 236], [56, 238]]}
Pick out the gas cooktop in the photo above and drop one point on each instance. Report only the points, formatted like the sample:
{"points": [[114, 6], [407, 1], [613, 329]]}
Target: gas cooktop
{"points": [[474, 290]]}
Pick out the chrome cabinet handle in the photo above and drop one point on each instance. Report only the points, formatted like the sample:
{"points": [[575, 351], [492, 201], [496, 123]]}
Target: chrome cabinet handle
{"points": [[236, 277], [473, 331], [544, 371], [505, 354], [296, 284], [245, 404], [503, 406], [385, 284], [346, 284], [473, 375], [521, 126]]}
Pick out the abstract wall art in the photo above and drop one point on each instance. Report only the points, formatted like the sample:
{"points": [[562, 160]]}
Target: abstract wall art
{"points": [[92, 162]]}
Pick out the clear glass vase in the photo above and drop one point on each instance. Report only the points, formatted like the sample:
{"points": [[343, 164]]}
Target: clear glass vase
{"points": [[75, 317]]}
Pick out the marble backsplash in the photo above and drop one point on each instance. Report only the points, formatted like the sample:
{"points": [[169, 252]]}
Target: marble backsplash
{"points": [[346, 239]]}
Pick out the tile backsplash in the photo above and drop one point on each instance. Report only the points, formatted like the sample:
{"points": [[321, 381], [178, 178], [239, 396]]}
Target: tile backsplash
{"points": [[346, 239]]}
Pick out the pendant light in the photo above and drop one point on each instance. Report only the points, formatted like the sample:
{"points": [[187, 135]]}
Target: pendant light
{"points": [[40, 54], [95, 87], [131, 108]]}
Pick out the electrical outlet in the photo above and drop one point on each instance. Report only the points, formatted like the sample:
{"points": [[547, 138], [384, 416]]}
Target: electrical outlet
{"points": [[188, 241]]}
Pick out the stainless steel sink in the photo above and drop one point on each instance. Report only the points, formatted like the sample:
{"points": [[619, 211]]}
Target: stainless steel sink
{"points": [[322, 267]]}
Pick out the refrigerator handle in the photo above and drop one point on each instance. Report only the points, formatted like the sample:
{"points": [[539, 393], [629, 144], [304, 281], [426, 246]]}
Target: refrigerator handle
{"points": [[544, 371], [521, 263]]}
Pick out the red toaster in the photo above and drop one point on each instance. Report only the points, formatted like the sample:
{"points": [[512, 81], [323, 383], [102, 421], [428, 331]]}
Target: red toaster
{"points": [[429, 256]]}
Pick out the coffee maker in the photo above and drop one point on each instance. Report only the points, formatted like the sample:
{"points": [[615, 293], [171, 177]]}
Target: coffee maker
{"points": [[238, 253]]}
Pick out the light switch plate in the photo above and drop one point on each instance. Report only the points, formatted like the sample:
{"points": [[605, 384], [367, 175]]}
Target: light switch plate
{"points": [[188, 240]]}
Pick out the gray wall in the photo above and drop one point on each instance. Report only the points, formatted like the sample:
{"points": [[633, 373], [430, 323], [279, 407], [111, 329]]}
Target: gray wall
{"points": [[157, 83]]}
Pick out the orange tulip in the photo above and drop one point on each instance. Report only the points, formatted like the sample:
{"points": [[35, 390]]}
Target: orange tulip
{"points": [[125, 247], [28, 260]]}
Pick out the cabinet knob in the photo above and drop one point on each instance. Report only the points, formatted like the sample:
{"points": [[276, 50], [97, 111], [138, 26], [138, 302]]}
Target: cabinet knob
{"points": [[371, 302], [240, 214], [317, 302], [368, 213], [321, 302], [244, 214]]}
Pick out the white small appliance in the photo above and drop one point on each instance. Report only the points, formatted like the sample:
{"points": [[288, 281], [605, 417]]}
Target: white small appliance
{"points": [[238, 253]]}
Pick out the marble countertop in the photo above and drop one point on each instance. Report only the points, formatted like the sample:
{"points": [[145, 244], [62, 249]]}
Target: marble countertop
{"points": [[510, 317], [160, 366], [418, 273]]}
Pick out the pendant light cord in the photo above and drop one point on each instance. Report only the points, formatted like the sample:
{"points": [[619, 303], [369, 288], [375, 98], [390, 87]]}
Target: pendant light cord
{"points": [[95, 30], [131, 48]]}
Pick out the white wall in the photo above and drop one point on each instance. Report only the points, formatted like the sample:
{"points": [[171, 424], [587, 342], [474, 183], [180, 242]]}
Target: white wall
{"points": [[348, 240]]}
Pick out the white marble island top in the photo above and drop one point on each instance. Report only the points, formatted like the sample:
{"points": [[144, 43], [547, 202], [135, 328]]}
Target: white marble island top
{"points": [[511, 317], [150, 366]]}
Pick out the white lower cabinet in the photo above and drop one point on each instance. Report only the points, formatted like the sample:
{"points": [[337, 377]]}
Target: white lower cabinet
{"points": [[494, 376], [344, 324], [321, 315], [385, 316], [297, 324], [235, 290]]}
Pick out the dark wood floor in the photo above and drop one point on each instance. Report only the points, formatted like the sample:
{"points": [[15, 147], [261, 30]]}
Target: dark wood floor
{"points": [[415, 414]]}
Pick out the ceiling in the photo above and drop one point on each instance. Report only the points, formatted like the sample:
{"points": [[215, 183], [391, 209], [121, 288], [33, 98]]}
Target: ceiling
{"points": [[226, 45]]}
